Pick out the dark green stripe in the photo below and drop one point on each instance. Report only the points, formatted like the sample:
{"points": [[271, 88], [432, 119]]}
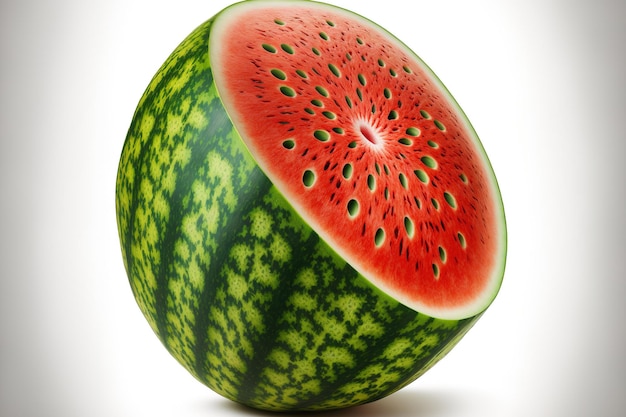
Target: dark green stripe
{"points": [[257, 185], [218, 125], [303, 253], [200, 147], [193, 48]]}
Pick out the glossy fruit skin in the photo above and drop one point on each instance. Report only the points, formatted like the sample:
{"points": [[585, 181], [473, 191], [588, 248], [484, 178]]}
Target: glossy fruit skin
{"points": [[239, 289]]}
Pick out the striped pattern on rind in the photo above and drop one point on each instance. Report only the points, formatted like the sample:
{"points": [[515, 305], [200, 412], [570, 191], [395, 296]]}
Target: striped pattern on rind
{"points": [[237, 287]]}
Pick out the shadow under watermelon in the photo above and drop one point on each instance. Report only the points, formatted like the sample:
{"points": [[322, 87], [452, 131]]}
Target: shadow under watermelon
{"points": [[404, 403]]}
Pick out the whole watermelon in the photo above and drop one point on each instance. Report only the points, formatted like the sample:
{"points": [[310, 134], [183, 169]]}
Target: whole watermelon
{"points": [[307, 219]]}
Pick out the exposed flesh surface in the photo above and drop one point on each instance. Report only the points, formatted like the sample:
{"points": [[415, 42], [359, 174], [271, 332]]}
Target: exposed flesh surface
{"points": [[368, 146]]}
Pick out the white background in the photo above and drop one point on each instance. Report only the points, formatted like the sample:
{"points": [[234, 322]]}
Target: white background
{"points": [[542, 83]]}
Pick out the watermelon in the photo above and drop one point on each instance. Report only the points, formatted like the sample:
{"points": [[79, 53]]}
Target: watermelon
{"points": [[307, 219]]}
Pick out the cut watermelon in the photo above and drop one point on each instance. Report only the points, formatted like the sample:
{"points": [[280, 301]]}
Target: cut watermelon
{"points": [[369, 147], [307, 219]]}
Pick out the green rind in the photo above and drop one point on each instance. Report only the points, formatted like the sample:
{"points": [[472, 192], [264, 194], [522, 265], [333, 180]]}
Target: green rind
{"points": [[236, 286]]}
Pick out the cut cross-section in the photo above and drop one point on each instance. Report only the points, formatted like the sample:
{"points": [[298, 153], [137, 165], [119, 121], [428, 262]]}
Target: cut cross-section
{"points": [[346, 113]]}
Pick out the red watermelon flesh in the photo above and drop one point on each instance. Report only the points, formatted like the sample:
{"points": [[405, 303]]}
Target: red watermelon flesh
{"points": [[370, 149]]}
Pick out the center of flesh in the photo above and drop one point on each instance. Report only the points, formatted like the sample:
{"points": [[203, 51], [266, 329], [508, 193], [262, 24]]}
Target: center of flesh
{"points": [[369, 133]]}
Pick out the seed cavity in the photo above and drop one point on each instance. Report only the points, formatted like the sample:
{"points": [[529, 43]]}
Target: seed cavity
{"points": [[348, 101], [421, 175], [287, 91], [436, 271], [463, 178], [462, 240], [329, 115], [308, 178], [334, 70], [435, 203], [409, 227], [316, 51], [403, 181], [405, 141], [425, 114], [352, 144], [321, 90], [429, 162], [439, 125], [371, 182], [387, 93], [321, 135], [381, 63], [302, 73], [359, 41], [347, 171], [287, 48], [450, 199], [407, 69], [269, 48], [309, 110], [362, 79], [393, 72], [324, 36], [379, 238], [338, 130], [289, 144], [393, 115], [413, 131], [442, 254], [279, 22], [359, 93], [433, 144], [279, 74], [330, 23], [353, 208], [317, 103]]}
